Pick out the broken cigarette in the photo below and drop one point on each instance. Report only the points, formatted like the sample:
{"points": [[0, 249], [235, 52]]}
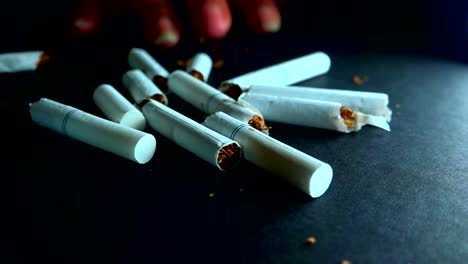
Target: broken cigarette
{"points": [[22, 61], [200, 66], [141, 87], [209, 145], [304, 172], [371, 103], [142, 60], [121, 140], [312, 113], [209, 100], [284, 73], [117, 108]]}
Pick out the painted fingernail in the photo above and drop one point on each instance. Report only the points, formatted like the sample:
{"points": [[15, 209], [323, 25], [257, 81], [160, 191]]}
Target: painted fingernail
{"points": [[83, 24], [167, 34], [168, 38], [269, 18], [215, 22]]}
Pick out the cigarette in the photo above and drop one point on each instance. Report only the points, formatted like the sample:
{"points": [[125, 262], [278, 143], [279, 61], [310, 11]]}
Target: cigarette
{"points": [[141, 87], [124, 141], [142, 60], [200, 66], [209, 145], [302, 171], [284, 73], [210, 100], [371, 103], [312, 113], [117, 108], [22, 61]]}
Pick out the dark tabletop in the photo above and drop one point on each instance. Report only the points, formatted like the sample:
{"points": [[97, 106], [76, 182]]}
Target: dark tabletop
{"points": [[396, 197]]}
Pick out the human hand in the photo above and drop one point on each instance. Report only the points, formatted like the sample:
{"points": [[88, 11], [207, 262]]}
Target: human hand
{"points": [[162, 25]]}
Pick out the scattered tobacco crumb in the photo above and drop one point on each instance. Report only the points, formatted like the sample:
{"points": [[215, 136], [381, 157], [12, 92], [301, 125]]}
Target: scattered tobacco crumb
{"points": [[182, 63], [218, 63], [357, 80], [310, 241]]}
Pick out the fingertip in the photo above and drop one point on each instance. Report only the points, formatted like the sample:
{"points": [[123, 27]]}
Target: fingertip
{"points": [[84, 25], [87, 18], [216, 19], [262, 16], [159, 22], [269, 17], [167, 34]]}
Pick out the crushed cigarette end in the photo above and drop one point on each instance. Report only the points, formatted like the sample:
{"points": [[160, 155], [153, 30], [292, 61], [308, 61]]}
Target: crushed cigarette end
{"points": [[229, 156], [161, 82], [159, 97], [310, 241], [142, 103], [197, 75], [358, 80], [44, 59], [258, 123], [230, 89], [349, 116], [218, 64]]}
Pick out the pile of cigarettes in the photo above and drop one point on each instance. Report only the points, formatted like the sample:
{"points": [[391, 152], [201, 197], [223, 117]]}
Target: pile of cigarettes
{"points": [[237, 114]]}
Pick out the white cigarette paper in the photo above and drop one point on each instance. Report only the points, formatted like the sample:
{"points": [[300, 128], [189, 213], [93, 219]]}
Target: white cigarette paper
{"points": [[309, 174], [312, 113], [101, 133], [20, 61], [210, 100], [209, 145], [200, 63], [142, 60], [366, 102], [117, 108], [287, 72], [141, 87]]}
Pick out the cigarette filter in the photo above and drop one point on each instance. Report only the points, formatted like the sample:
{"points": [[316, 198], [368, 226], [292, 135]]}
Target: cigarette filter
{"points": [[210, 100], [200, 66], [285, 73], [20, 61], [209, 145], [101, 133], [312, 113], [302, 171], [142, 60], [141, 88], [366, 102], [117, 108]]}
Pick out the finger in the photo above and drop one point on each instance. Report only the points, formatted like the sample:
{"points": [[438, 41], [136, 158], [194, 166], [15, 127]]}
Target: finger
{"points": [[158, 21], [262, 16], [211, 18], [87, 17]]}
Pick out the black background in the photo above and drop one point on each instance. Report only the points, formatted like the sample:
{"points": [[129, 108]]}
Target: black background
{"points": [[397, 197]]}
